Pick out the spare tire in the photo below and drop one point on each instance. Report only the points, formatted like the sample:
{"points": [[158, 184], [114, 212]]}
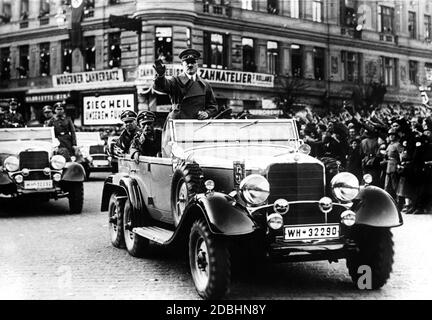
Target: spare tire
{"points": [[186, 183], [332, 167]]}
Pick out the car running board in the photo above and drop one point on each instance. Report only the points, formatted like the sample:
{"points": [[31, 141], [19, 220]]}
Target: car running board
{"points": [[156, 234]]}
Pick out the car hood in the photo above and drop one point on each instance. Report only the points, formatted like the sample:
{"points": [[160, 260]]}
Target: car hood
{"points": [[254, 156], [13, 148]]}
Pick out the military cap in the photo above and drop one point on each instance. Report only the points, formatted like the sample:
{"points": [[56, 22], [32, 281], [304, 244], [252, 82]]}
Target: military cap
{"points": [[13, 101], [189, 54], [146, 116], [392, 131], [58, 105], [47, 108], [128, 115]]}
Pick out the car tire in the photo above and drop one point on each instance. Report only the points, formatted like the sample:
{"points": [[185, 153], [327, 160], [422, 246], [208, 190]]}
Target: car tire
{"points": [[136, 245], [375, 249], [76, 197], [186, 183], [332, 168], [115, 222], [209, 261]]}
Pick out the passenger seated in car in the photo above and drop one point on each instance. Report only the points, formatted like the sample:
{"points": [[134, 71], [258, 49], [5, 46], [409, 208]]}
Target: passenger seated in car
{"points": [[147, 142]]}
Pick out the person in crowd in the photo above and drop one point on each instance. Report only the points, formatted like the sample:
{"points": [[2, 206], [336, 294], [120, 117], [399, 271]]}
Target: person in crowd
{"points": [[64, 131], [148, 141], [123, 143], [191, 96], [47, 115], [392, 161], [354, 160]]}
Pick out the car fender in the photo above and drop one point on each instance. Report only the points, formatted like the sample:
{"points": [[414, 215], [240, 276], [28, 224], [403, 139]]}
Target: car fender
{"points": [[375, 207], [223, 214], [4, 178], [73, 172]]}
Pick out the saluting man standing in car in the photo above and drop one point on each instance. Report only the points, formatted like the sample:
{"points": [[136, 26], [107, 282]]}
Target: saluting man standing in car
{"points": [[191, 96]]}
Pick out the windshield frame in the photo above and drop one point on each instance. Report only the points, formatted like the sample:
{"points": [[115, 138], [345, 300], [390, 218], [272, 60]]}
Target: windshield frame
{"points": [[50, 139]]}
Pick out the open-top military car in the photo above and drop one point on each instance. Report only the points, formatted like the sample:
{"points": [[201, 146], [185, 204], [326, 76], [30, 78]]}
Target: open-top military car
{"points": [[93, 151], [221, 184], [29, 167]]}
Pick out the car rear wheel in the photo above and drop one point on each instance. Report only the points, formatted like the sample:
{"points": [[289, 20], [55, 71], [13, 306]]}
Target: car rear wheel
{"points": [[136, 246], [209, 261], [375, 250], [76, 197], [186, 183], [115, 216]]}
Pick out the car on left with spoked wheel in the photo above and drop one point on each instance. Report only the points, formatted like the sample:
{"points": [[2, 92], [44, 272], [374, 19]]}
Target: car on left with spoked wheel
{"points": [[30, 168]]}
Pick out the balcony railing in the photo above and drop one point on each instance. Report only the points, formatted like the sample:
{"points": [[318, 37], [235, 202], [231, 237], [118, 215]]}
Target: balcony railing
{"points": [[44, 20], [24, 24], [217, 9]]}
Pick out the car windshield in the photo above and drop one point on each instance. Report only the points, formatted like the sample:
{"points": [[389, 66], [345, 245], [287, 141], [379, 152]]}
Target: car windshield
{"points": [[88, 138], [265, 131], [22, 134]]}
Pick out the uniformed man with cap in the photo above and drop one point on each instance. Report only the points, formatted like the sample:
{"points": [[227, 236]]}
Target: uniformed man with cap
{"points": [[47, 114], [123, 143], [191, 96], [64, 131], [13, 117], [148, 141], [3, 123]]}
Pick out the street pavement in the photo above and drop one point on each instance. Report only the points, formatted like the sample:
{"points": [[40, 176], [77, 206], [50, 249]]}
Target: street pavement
{"points": [[46, 253]]}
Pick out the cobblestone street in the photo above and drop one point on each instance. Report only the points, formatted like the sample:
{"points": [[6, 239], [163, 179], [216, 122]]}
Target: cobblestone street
{"points": [[46, 253]]}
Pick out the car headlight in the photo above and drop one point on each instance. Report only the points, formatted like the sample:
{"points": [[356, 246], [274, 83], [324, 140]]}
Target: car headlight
{"points": [[58, 162], [345, 186], [11, 163], [255, 189], [305, 149]]}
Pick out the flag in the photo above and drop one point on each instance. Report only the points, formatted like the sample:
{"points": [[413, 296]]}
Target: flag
{"points": [[77, 15]]}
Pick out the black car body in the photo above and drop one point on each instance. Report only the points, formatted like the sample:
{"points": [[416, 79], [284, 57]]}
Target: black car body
{"points": [[29, 166], [93, 151], [222, 184]]}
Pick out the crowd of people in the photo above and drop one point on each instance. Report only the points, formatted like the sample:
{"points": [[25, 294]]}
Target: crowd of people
{"points": [[392, 144]]}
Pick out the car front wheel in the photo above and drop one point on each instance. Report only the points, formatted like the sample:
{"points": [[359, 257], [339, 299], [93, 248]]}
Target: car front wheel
{"points": [[375, 250], [209, 261], [136, 246], [115, 216], [76, 197]]}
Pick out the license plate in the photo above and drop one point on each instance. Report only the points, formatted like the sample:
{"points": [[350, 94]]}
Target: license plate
{"points": [[38, 184], [311, 232], [99, 163]]}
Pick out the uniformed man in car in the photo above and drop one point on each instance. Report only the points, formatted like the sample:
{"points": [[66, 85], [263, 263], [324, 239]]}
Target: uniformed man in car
{"points": [[64, 130], [191, 96], [148, 141], [47, 114], [13, 117], [123, 143]]}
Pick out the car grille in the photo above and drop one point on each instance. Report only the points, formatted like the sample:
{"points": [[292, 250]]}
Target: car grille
{"points": [[34, 160], [37, 175], [97, 149], [297, 182], [100, 157]]}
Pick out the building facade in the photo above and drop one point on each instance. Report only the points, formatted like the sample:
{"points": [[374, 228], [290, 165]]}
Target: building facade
{"points": [[254, 52]]}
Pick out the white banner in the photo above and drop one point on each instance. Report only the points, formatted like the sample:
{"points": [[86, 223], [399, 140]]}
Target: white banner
{"points": [[146, 75], [84, 79], [106, 109], [428, 71]]}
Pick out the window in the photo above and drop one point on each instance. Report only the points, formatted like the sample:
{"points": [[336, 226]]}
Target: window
{"points": [[247, 5], [114, 1], [317, 10], [89, 8], [23, 61], [66, 56], [296, 61], [388, 71], [248, 55], [412, 25], [44, 8], [427, 27], [319, 63], [163, 44], [413, 69], [295, 9], [44, 59], [89, 54], [24, 9], [385, 19], [6, 13], [272, 6], [4, 64], [114, 50], [188, 37], [272, 57], [348, 14], [215, 50], [351, 62]]}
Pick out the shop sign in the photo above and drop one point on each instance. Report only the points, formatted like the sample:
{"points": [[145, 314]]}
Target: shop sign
{"points": [[146, 75], [106, 109], [265, 112], [47, 97], [84, 79]]}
